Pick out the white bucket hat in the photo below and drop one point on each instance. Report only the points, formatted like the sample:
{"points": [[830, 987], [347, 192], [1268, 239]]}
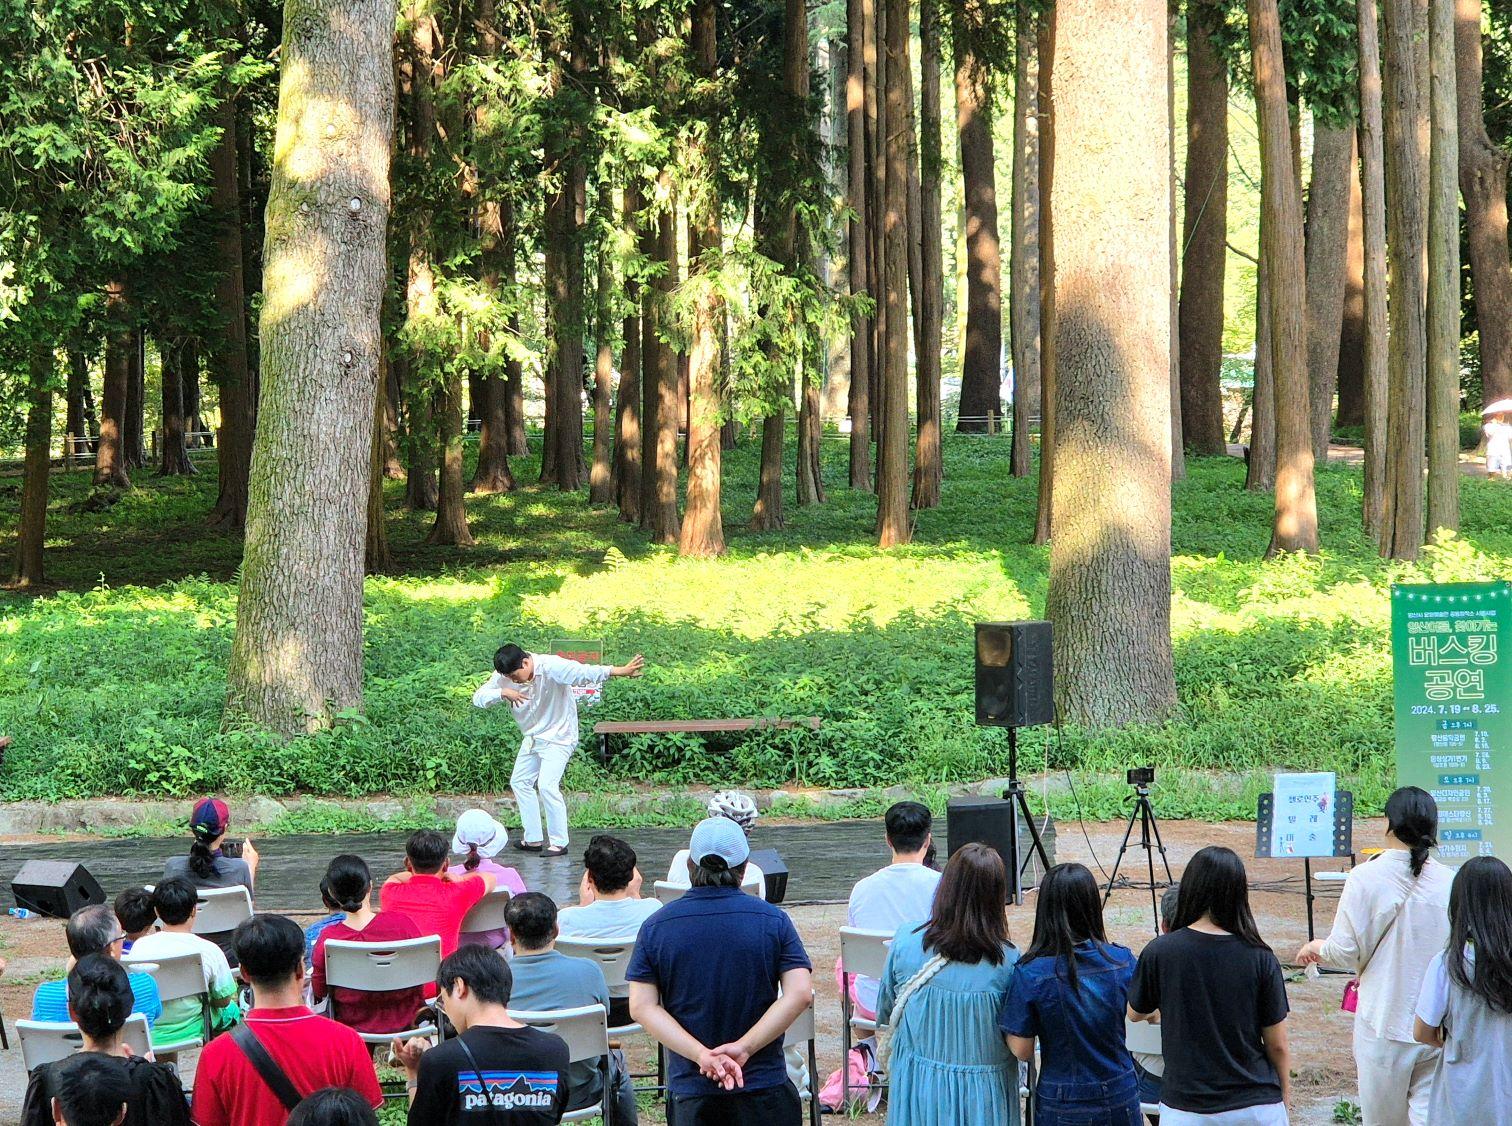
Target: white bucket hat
{"points": [[477, 827]]}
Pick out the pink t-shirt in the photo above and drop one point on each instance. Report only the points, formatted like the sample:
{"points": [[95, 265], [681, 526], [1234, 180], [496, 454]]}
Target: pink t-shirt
{"points": [[506, 878]]}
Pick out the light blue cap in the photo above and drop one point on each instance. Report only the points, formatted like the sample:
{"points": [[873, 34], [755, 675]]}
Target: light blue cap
{"points": [[719, 836]]}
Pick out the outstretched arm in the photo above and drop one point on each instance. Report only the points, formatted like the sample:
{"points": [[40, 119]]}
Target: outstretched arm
{"points": [[576, 674]]}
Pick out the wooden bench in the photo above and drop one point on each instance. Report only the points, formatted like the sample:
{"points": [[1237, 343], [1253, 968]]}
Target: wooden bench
{"points": [[693, 726]]}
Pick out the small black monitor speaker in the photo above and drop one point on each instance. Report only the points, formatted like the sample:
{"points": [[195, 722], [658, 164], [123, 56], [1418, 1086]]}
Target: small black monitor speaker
{"points": [[1014, 684], [775, 871], [55, 887], [986, 820]]}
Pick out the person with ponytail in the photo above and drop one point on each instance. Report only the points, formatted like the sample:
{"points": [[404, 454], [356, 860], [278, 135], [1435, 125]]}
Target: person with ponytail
{"points": [[1464, 1008], [478, 839], [348, 887], [213, 862], [1393, 917], [99, 1000]]}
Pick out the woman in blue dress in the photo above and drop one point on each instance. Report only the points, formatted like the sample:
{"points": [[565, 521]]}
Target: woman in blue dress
{"points": [[941, 992], [1070, 991]]}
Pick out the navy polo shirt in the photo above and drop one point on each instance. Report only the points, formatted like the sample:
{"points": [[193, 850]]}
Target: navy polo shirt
{"points": [[715, 956]]}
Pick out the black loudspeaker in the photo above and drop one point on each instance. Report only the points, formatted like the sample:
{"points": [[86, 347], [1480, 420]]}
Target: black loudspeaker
{"points": [[986, 820], [1014, 683], [775, 871], [55, 887]]}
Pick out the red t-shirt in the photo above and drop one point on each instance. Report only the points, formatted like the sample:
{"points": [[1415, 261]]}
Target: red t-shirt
{"points": [[393, 1011], [312, 1051], [436, 904]]}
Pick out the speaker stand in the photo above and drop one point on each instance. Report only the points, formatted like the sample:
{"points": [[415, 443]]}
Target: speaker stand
{"points": [[1018, 806], [1149, 830]]}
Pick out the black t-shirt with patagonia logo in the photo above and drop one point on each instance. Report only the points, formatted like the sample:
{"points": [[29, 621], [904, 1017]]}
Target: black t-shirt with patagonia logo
{"points": [[521, 1072]]}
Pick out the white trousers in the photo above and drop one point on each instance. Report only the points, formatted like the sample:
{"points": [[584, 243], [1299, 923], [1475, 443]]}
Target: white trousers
{"points": [[1268, 1114], [537, 782], [1395, 1080]]}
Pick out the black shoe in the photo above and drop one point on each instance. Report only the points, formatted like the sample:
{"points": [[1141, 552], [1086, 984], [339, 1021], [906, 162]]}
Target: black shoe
{"points": [[555, 850], [526, 846]]}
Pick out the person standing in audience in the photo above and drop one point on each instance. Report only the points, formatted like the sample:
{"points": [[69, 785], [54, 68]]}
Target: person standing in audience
{"points": [[496, 1069], [1224, 1062], [434, 900], [99, 1001], [1393, 917], [610, 908], [545, 979], [903, 892], [133, 910], [478, 839], [1148, 1066], [334, 1106], [310, 1051], [213, 862], [92, 1091], [1465, 1005], [95, 930], [176, 903], [942, 988], [717, 977], [1069, 991], [349, 884]]}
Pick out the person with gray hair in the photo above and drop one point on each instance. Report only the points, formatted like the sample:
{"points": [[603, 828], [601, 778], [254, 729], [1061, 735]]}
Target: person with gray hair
{"points": [[95, 930], [1149, 1067]]}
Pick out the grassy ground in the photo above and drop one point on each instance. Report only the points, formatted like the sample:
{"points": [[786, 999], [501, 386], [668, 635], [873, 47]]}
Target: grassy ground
{"points": [[112, 684]]}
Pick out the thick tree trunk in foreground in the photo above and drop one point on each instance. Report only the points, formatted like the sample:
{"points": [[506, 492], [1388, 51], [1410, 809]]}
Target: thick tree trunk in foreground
{"points": [[1351, 377], [1023, 248], [1443, 328], [179, 358], [929, 301], [1373, 212], [1327, 249], [1405, 115], [1483, 180], [1110, 557], [1045, 47], [1296, 524], [238, 395], [857, 242], [110, 456], [892, 412], [29, 570], [297, 658]]}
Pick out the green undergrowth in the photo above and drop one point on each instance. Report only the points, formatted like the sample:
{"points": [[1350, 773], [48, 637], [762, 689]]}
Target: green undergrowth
{"points": [[112, 683]]}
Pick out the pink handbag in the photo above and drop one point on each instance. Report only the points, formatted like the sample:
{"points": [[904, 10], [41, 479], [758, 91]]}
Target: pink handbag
{"points": [[1351, 999]]}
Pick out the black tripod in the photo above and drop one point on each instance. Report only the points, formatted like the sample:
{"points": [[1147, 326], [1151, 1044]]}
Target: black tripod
{"points": [[1149, 830], [1018, 806]]}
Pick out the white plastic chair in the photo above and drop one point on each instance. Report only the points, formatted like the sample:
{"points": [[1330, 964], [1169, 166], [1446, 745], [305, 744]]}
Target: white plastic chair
{"points": [[586, 1031], [45, 1041], [1143, 1037], [487, 914], [613, 958], [222, 910], [177, 977], [802, 1033], [382, 967], [863, 953], [669, 893]]}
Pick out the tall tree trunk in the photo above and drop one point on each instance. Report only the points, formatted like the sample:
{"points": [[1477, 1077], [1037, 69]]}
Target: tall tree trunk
{"points": [[858, 242], [296, 661], [1173, 256], [1483, 180], [35, 468], [1373, 210], [1443, 327], [1351, 378], [1109, 596], [421, 304], [377, 557], [659, 365], [627, 416], [892, 414], [76, 431], [1045, 47], [179, 357], [1405, 112], [110, 456], [1204, 228], [1023, 247], [929, 301], [876, 175], [514, 370], [1327, 250], [492, 473], [766, 513], [238, 396], [601, 475], [1296, 523], [810, 427], [133, 421], [1260, 473], [450, 527], [981, 363]]}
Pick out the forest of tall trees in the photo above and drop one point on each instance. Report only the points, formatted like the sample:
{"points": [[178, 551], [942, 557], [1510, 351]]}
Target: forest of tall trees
{"points": [[628, 236]]}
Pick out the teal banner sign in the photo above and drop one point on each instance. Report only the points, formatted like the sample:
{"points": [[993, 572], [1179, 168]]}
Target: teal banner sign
{"points": [[1454, 709]]}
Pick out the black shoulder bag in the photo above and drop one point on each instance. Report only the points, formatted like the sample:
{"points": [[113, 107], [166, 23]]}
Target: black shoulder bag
{"points": [[265, 1066], [493, 1111]]}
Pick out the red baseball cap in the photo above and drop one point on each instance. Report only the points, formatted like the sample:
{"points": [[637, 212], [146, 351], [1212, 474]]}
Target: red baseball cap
{"points": [[210, 818]]}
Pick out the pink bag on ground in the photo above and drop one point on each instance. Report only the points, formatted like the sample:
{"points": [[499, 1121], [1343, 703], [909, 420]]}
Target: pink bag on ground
{"points": [[862, 1065]]}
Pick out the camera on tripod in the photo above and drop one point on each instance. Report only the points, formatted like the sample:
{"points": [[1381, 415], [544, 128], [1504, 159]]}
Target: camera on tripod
{"points": [[1141, 775]]}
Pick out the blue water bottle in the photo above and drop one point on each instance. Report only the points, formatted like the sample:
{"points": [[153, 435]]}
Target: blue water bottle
{"points": [[19, 913]]}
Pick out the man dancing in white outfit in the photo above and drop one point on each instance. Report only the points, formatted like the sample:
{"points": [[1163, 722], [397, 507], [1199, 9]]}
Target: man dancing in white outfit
{"points": [[538, 688]]}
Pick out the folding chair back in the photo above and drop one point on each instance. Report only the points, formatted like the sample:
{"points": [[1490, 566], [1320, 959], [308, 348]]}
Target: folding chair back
{"points": [[222, 909], [864, 952], [488, 913], [177, 976], [586, 1031], [382, 967], [612, 957], [1142, 1036], [669, 893], [45, 1041]]}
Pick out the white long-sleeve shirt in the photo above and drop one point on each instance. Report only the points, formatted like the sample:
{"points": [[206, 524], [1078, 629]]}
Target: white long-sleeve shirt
{"points": [[549, 713], [1390, 959]]}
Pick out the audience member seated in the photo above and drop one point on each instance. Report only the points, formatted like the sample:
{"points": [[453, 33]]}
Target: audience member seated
{"points": [[478, 839], [903, 892], [99, 1001], [92, 1091], [522, 1070], [313, 932], [95, 930], [704, 982], [428, 894], [610, 907], [546, 979], [349, 885], [334, 1106], [1149, 1068], [133, 910], [740, 809], [311, 1051], [213, 862], [176, 903]]}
